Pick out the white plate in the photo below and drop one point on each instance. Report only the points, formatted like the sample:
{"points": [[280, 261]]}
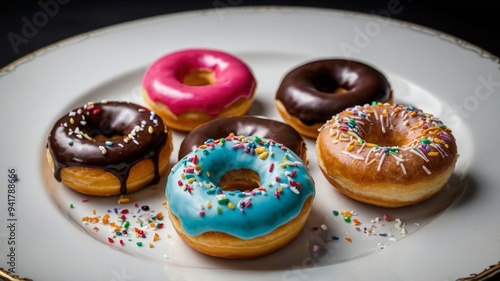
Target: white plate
{"points": [[450, 236]]}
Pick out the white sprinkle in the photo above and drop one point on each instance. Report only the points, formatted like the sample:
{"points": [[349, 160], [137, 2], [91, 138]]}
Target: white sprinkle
{"points": [[438, 148], [220, 196], [382, 123], [426, 169], [403, 168], [374, 113], [403, 230], [323, 227], [380, 163], [355, 156], [419, 154]]}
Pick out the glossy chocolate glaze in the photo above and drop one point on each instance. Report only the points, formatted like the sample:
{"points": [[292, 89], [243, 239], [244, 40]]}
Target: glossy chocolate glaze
{"points": [[112, 136], [247, 126], [307, 92]]}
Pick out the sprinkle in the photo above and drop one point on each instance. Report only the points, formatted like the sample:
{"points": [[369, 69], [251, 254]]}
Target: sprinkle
{"points": [[84, 200], [139, 244], [335, 238], [110, 240], [159, 215], [271, 167], [231, 206], [263, 155], [150, 129], [348, 239], [105, 219], [315, 248], [71, 206], [103, 150], [123, 200], [426, 169], [239, 145]]}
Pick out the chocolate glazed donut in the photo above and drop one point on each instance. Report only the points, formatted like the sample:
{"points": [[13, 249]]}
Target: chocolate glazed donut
{"points": [[313, 92], [247, 126], [111, 136]]}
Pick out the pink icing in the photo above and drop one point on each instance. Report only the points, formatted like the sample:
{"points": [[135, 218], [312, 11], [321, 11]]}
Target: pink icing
{"points": [[163, 81]]}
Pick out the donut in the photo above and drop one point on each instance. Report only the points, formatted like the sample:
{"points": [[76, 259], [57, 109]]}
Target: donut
{"points": [[109, 148], [386, 155], [245, 126], [312, 93], [239, 197], [190, 87]]}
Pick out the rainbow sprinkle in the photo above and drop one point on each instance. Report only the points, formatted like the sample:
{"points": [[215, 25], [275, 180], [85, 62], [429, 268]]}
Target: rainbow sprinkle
{"points": [[428, 137]]}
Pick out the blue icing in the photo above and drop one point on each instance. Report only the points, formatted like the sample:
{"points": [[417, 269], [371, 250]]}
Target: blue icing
{"points": [[202, 206]]}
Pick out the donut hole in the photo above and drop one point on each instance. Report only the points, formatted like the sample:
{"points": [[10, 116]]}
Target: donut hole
{"points": [[326, 84], [107, 138], [104, 135], [389, 138], [104, 129], [241, 179], [199, 77]]}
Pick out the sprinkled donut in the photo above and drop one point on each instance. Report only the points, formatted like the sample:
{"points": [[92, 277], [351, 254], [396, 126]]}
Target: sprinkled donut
{"points": [[239, 197], [386, 155], [190, 87], [312, 93], [109, 148]]}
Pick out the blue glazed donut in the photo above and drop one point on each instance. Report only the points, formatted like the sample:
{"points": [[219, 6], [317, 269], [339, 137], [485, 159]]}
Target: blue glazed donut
{"points": [[239, 223]]}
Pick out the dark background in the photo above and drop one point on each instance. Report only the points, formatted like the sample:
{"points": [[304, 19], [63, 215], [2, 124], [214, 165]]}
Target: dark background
{"points": [[474, 21]]}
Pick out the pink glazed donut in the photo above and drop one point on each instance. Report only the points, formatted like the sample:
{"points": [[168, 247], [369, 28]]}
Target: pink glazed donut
{"points": [[190, 87]]}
